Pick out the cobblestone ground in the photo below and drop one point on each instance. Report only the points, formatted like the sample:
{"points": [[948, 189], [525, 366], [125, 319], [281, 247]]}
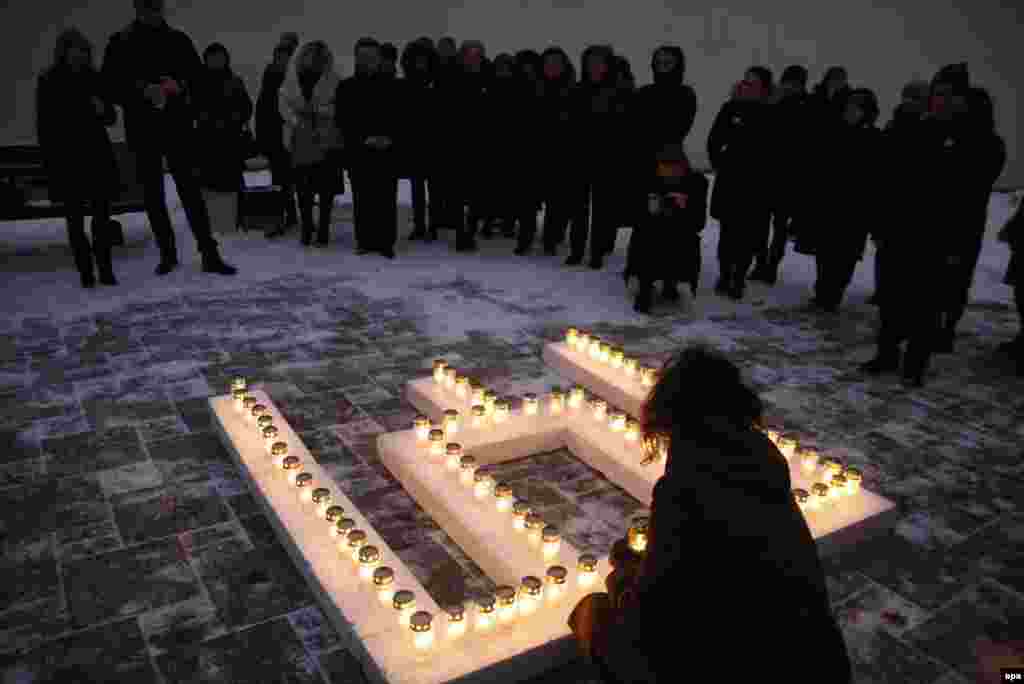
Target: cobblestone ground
{"points": [[133, 551]]}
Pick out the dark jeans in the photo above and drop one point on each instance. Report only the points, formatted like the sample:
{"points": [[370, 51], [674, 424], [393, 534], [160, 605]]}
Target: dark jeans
{"points": [[281, 175], [375, 205], [321, 180], [178, 150], [597, 213], [75, 212], [738, 241], [958, 281]]}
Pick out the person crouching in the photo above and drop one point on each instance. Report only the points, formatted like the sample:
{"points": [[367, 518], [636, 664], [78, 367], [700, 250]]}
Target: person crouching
{"points": [[676, 213]]}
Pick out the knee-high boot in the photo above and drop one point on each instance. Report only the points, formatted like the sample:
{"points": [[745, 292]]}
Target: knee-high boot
{"points": [[81, 249]]}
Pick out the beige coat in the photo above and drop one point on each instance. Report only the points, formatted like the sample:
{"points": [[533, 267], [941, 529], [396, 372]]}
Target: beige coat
{"points": [[310, 131]]}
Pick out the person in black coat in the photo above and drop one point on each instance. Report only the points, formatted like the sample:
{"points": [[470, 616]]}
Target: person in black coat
{"points": [[503, 104], [223, 109], [468, 142], [151, 70], [739, 147], [525, 131], [1013, 235], [417, 95], [270, 131], [598, 145], [977, 157], [667, 108], [558, 162], [727, 545], [790, 120], [855, 152], [368, 120], [676, 213], [72, 116]]}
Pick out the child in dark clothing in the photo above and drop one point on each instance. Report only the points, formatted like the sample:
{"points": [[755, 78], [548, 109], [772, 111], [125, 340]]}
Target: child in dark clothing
{"points": [[676, 212]]}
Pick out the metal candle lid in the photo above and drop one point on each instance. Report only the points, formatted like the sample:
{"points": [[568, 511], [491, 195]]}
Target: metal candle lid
{"points": [[521, 508], [420, 621], [467, 462], [530, 398], [531, 586], [436, 435], [383, 576], [356, 538], [421, 421], [440, 364], [270, 432], [369, 554], [258, 410], [345, 525], [801, 496], [550, 534], [819, 489], [264, 421], [403, 599], [587, 563], [291, 463], [456, 612], [321, 495], [478, 410], [502, 490], [303, 480], [505, 595], [451, 414], [239, 394], [454, 449], [334, 514], [239, 383], [279, 449], [853, 475], [556, 574], [534, 522], [485, 604], [480, 476]]}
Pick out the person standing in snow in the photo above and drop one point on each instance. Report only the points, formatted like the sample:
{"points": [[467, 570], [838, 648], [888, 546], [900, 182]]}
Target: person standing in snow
{"points": [[445, 208], [470, 142], [558, 165], [1013, 235], [223, 109], [739, 147], [526, 198], [501, 114], [270, 127], [664, 110], [418, 95]]}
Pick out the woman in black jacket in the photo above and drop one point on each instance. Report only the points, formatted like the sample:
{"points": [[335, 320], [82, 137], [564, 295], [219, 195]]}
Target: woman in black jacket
{"points": [[72, 116], [223, 109], [270, 131]]}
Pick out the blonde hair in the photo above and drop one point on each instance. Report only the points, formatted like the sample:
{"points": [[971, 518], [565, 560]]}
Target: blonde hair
{"points": [[69, 38]]}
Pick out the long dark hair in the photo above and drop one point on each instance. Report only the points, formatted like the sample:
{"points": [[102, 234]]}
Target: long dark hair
{"points": [[697, 385]]}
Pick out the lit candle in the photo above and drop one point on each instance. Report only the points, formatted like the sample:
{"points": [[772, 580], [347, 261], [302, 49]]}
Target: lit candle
{"points": [[239, 397], [530, 404], [586, 571], [506, 599], [369, 559], [453, 457], [482, 485], [355, 540], [239, 383], [819, 496], [437, 443], [632, 430], [583, 342], [531, 590], [552, 542], [450, 374], [837, 486], [404, 602], [617, 421], [476, 392], [832, 467], [599, 409], [439, 367], [450, 424], [290, 467], [278, 452], [479, 416], [304, 485], [384, 584], [503, 497], [801, 497], [605, 353], [520, 509], [629, 367], [333, 515], [341, 530], [557, 401], [534, 529], [807, 457], [576, 397], [490, 399], [248, 404], [616, 358], [270, 434], [571, 335], [787, 445], [638, 535], [595, 348], [853, 480], [264, 421], [502, 410], [647, 376], [485, 614], [322, 501], [555, 579], [456, 621], [421, 424], [257, 411], [462, 387], [467, 470]]}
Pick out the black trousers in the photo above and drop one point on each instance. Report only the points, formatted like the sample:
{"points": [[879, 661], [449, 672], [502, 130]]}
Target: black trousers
{"points": [[772, 251], [472, 202], [558, 211], [597, 214], [835, 272], [910, 312], [375, 205], [418, 184], [739, 239], [282, 175], [445, 205], [82, 251], [319, 181], [957, 282], [178, 149]]}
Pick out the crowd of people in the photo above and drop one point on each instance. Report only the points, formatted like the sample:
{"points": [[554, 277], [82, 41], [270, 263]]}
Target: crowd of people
{"points": [[488, 143]]}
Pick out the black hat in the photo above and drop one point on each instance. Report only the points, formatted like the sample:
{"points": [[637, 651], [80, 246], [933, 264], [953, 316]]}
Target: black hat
{"points": [[955, 75]]}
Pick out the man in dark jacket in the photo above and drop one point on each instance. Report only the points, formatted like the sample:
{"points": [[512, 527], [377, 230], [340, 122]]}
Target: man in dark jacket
{"points": [[417, 96], [467, 97], [270, 129], [367, 118], [666, 108], [151, 70]]}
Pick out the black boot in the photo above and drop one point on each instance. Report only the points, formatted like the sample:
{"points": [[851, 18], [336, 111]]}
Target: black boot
{"points": [[82, 252], [307, 234], [574, 260], [914, 367], [168, 262], [212, 263], [644, 297], [105, 266], [597, 262], [887, 361]]}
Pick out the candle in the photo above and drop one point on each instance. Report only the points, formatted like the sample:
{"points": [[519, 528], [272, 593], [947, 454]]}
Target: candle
{"points": [[503, 497], [450, 423], [355, 541], [801, 497], [648, 376], [449, 377], [534, 529], [290, 467], [787, 445], [551, 542], [479, 416], [583, 342], [576, 397], [404, 603], [571, 336], [384, 584], [333, 515], [555, 578], [616, 358], [439, 367], [617, 421], [530, 592], [437, 443], [853, 480], [239, 397], [586, 571], [557, 401], [369, 559], [482, 485], [239, 383], [632, 430], [257, 411], [421, 424], [819, 496], [264, 421], [807, 457], [456, 621], [506, 599], [467, 471], [490, 398], [247, 406], [502, 410], [322, 499], [595, 348], [304, 485], [270, 434], [629, 367], [604, 354], [453, 457], [530, 404], [832, 467], [599, 409], [485, 614], [837, 486], [341, 530], [638, 535], [476, 392], [520, 509], [278, 452], [462, 387]]}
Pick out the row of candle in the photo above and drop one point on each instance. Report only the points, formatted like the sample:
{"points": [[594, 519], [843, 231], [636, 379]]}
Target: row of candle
{"points": [[838, 481], [584, 343]]}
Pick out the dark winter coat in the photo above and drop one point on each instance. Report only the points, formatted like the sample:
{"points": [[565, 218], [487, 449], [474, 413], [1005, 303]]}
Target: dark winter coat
{"points": [[731, 556], [790, 121], [269, 124], [77, 153], [557, 116], [739, 148], [600, 126], [664, 113], [141, 55], [418, 101], [370, 106], [223, 108], [666, 245]]}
